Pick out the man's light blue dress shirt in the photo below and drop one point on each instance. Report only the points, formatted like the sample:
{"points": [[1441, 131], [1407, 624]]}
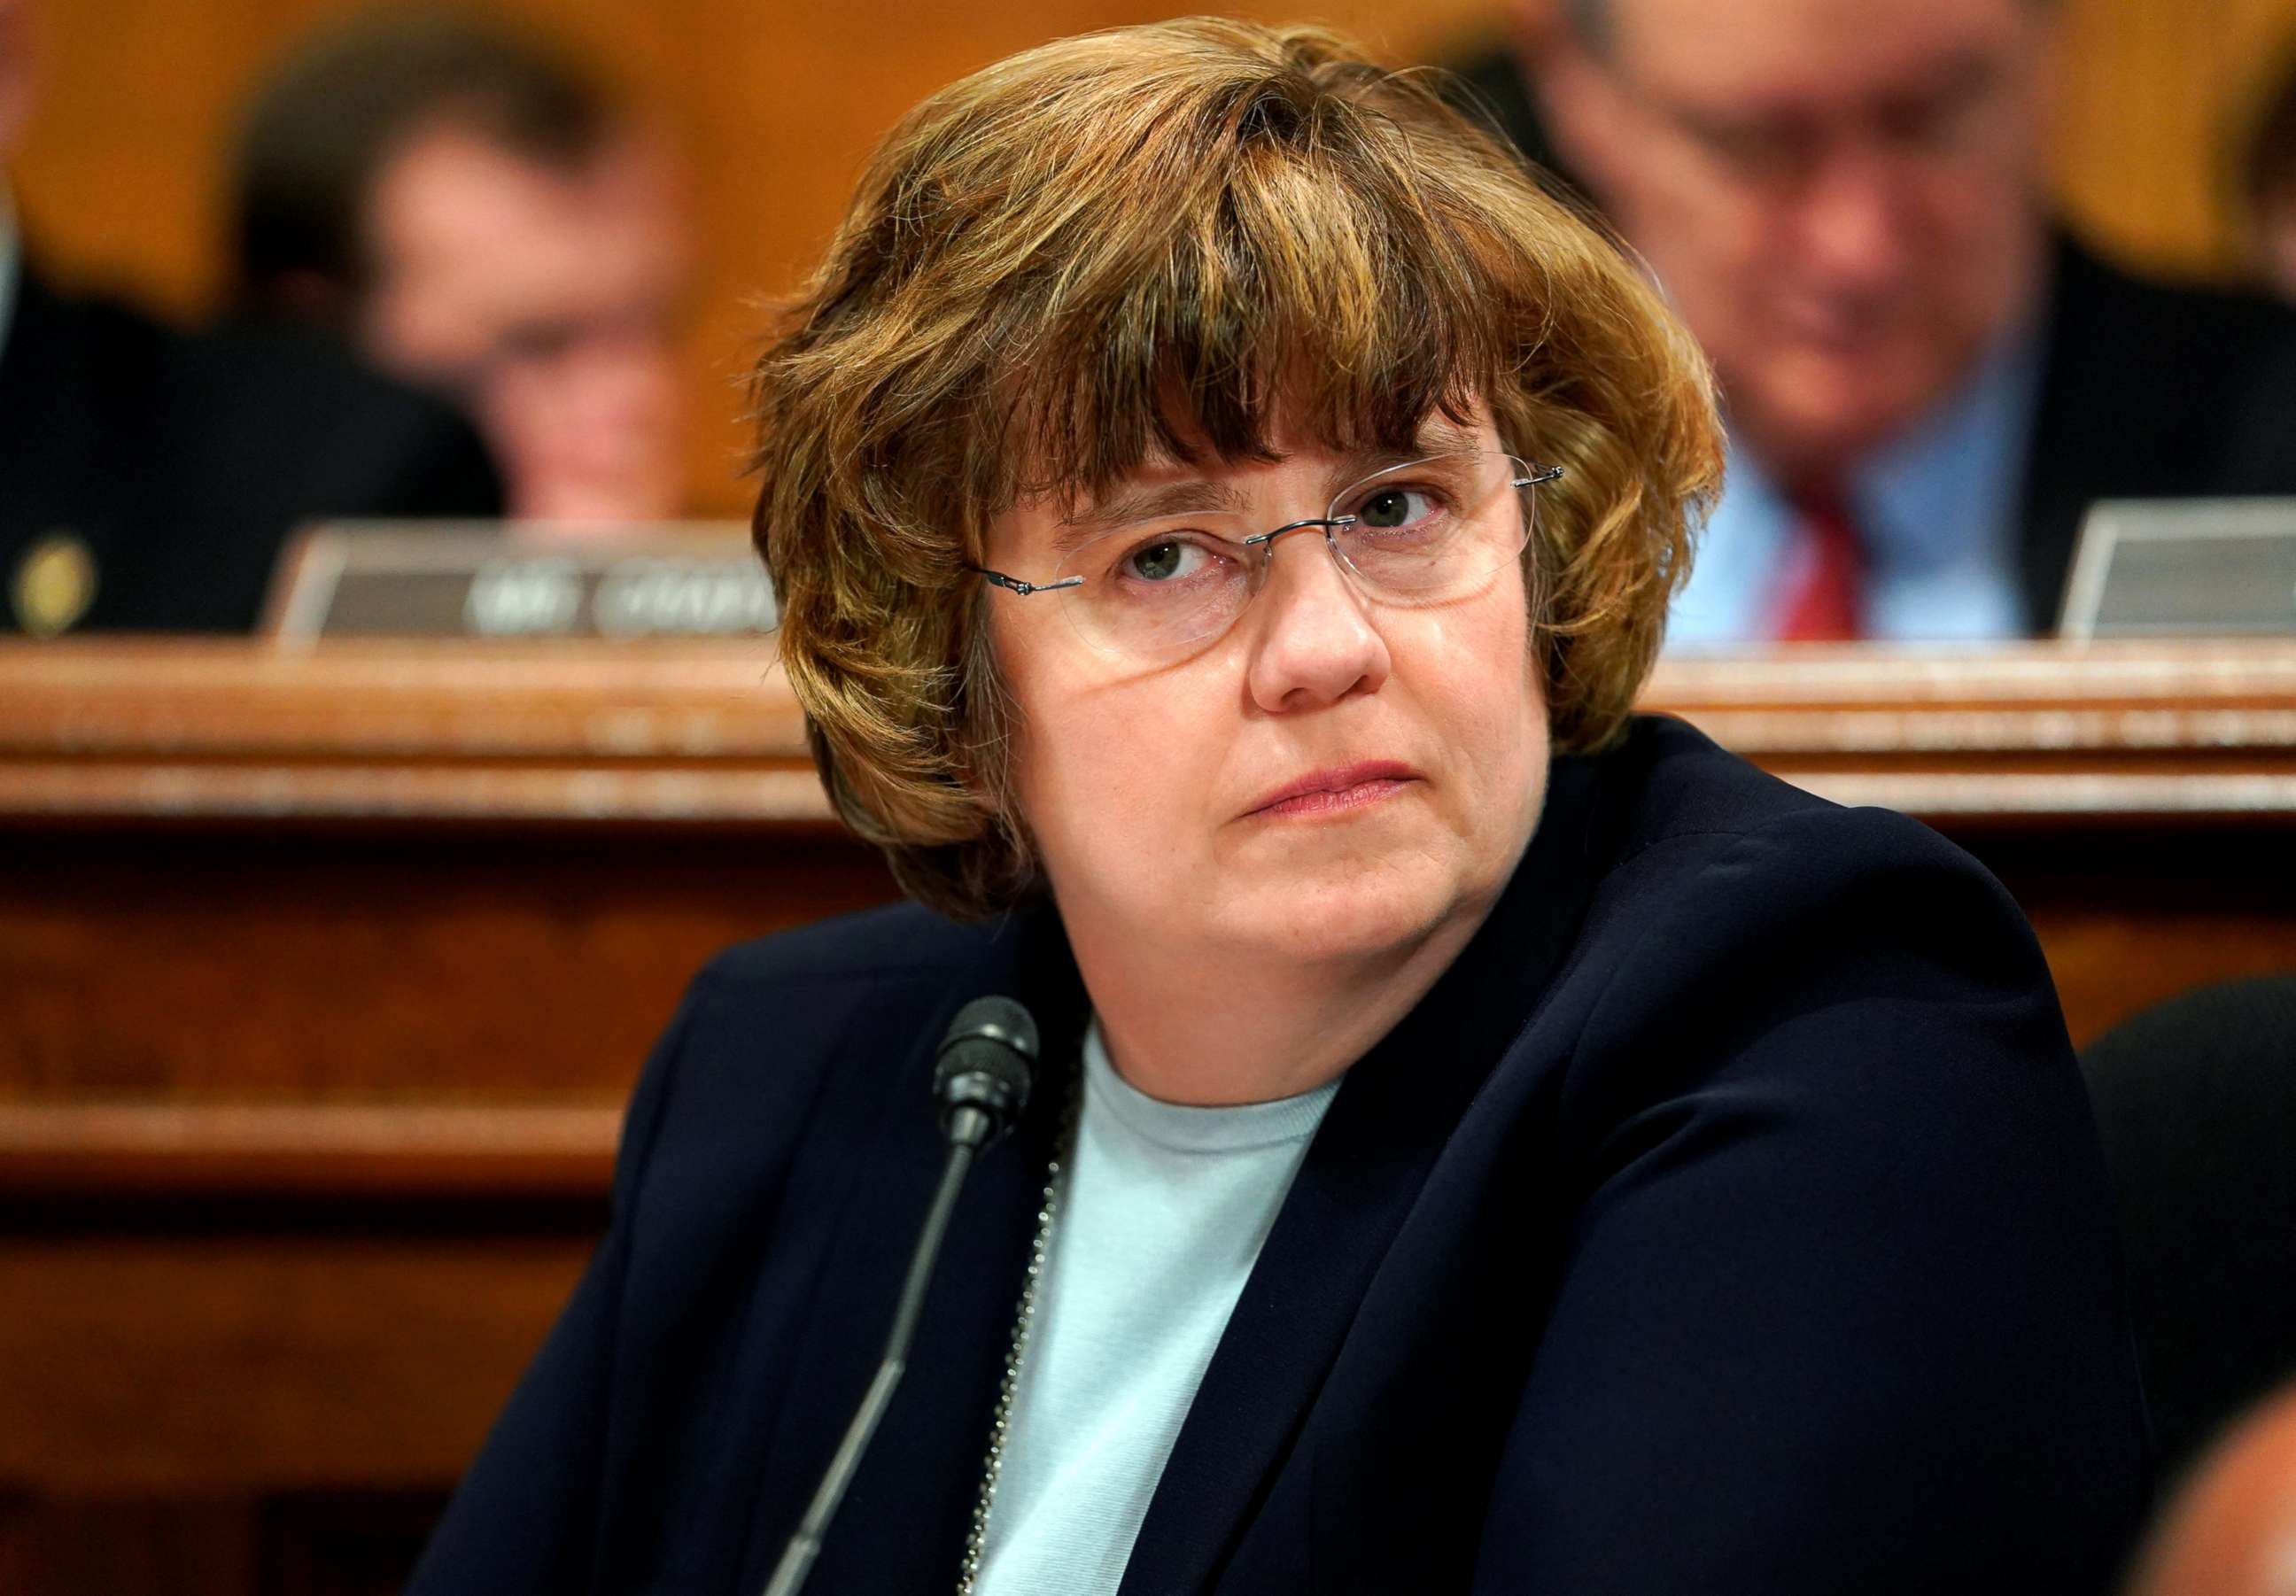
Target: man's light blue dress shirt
{"points": [[1937, 513]]}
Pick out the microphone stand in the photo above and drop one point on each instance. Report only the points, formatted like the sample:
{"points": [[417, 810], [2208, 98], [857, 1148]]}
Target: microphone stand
{"points": [[968, 1129]]}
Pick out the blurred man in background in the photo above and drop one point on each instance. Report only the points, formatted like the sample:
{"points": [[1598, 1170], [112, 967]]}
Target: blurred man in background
{"points": [[2268, 185], [478, 215], [2231, 1529], [149, 477], [1927, 383]]}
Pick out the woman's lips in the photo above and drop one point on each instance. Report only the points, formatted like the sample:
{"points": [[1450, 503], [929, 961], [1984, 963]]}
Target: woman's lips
{"points": [[1331, 792]]}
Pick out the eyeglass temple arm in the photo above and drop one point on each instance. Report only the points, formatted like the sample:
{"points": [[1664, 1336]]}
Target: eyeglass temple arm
{"points": [[1014, 584], [1550, 474]]}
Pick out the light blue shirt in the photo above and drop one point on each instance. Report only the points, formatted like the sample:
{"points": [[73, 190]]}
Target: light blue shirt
{"points": [[1161, 1218], [1937, 511]]}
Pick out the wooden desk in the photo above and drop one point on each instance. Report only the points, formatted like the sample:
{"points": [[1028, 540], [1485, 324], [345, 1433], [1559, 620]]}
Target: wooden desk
{"points": [[323, 977]]}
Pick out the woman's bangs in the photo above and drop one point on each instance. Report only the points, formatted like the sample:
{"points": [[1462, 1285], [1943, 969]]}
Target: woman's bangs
{"points": [[1295, 310]]}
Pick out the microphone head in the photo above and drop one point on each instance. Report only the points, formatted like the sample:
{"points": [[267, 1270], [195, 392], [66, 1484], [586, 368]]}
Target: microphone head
{"points": [[986, 1063]]}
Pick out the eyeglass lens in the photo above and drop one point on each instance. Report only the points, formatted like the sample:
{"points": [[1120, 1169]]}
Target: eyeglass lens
{"points": [[1433, 531]]}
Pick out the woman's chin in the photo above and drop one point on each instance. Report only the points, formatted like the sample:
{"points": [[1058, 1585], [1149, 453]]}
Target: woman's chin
{"points": [[1355, 910]]}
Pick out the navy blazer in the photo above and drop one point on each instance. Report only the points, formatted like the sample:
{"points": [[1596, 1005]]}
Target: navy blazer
{"points": [[1728, 1218], [181, 462]]}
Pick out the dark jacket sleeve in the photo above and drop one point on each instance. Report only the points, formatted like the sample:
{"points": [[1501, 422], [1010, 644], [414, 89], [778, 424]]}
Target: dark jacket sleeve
{"points": [[447, 471], [524, 1519], [1841, 1291], [342, 438]]}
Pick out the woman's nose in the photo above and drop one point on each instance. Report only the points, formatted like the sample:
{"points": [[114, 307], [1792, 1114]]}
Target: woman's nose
{"points": [[1314, 641]]}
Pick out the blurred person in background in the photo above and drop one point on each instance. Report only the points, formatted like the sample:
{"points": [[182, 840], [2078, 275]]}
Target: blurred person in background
{"points": [[477, 213], [150, 476], [2268, 185], [2231, 1530], [1928, 383]]}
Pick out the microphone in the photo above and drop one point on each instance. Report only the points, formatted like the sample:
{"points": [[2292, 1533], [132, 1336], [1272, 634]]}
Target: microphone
{"points": [[981, 1081]]}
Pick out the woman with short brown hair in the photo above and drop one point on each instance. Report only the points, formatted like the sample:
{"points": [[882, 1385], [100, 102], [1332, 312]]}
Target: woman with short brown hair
{"points": [[1223, 510], [1053, 264]]}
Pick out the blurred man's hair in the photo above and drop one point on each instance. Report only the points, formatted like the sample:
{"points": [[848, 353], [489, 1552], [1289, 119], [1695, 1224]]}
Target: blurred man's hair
{"points": [[2268, 158], [327, 119]]}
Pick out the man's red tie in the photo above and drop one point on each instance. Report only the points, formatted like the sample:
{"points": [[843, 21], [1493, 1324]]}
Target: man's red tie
{"points": [[1825, 600]]}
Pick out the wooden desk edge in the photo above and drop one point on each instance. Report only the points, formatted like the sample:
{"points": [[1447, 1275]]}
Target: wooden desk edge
{"points": [[165, 730]]}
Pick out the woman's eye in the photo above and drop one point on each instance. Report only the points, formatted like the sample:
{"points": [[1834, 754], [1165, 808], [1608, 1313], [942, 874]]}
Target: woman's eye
{"points": [[1394, 507], [1162, 561]]}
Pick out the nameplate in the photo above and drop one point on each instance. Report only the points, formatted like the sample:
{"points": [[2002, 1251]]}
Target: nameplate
{"points": [[486, 579], [2183, 567]]}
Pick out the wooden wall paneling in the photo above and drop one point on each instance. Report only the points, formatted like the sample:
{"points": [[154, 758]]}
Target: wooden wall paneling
{"points": [[2131, 914], [401, 874], [289, 1351], [2154, 91], [287, 965], [81, 1546]]}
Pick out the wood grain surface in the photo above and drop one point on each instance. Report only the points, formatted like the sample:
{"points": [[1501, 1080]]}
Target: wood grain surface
{"points": [[678, 733]]}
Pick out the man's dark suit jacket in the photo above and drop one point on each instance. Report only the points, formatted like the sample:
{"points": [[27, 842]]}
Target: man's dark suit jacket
{"points": [[2147, 392], [1728, 1218], [183, 462]]}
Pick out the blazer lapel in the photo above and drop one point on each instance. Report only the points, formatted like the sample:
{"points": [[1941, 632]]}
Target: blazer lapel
{"points": [[903, 1522], [1383, 1132]]}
